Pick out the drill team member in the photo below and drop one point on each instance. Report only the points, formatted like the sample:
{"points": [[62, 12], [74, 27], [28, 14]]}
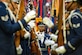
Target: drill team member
{"points": [[8, 27]]}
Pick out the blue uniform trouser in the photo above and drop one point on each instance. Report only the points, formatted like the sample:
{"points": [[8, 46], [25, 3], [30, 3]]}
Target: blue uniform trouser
{"points": [[25, 47], [44, 52]]}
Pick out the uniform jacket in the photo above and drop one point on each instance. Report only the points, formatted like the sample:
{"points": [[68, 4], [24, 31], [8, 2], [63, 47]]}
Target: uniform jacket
{"points": [[42, 36], [25, 43], [74, 38], [7, 28]]}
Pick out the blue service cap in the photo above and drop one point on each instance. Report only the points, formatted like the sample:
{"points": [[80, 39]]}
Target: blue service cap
{"points": [[17, 1], [70, 0], [41, 24]]}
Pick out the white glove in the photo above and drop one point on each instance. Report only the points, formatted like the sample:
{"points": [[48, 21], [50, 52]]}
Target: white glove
{"points": [[47, 4], [48, 22], [32, 23], [26, 35], [49, 42], [30, 15], [53, 37], [19, 49], [54, 46], [60, 50]]}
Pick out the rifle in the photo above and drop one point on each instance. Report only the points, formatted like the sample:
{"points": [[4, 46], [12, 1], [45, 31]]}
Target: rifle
{"points": [[35, 48], [61, 15], [20, 15], [60, 23]]}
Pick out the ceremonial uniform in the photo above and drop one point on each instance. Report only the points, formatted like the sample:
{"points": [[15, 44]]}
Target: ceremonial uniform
{"points": [[25, 42], [7, 28], [73, 45], [42, 37], [74, 38]]}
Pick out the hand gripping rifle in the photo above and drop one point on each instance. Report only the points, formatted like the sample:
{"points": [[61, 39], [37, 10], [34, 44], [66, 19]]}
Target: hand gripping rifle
{"points": [[20, 15], [61, 23], [35, 48]]}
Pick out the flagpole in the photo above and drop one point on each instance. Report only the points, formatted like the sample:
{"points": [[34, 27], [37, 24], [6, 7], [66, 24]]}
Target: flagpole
{"points": [[64, 25]]}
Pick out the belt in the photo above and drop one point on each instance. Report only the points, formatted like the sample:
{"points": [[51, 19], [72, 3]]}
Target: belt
{"points": [[43, 49]]}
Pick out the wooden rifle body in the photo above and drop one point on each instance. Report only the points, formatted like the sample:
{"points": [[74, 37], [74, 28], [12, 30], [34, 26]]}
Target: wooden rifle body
{"points": [[14, 7], [35, 48]]}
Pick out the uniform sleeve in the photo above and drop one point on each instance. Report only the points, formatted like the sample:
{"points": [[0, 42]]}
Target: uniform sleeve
{"points": [[2, 11], [6, 25], [77, 25], [28, 28], [54, 29], [77, 29]]}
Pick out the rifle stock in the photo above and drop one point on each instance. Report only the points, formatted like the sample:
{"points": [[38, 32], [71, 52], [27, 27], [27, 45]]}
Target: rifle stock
{"points": [[53, 52], [20, 15], [34, 44], [60, 34], [17, 41]]}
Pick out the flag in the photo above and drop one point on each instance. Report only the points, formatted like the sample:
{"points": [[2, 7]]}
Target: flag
{"points": [[53, 8], [40, 8], [57, 7], [35, 3]]}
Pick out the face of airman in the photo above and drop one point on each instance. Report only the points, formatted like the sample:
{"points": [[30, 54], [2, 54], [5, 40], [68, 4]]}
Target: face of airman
{"points": [[70, 5], [41, 28]]}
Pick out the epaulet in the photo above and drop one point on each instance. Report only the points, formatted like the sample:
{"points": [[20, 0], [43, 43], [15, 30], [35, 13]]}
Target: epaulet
{"points": [[2, 10], [75, 14]]}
